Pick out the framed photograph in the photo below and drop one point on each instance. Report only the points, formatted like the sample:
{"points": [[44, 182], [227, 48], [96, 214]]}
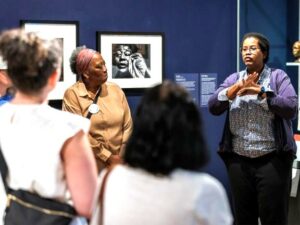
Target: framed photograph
{"points": [[67, 33], [133, 60]]}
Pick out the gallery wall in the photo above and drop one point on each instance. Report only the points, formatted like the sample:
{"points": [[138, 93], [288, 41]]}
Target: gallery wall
{"points": [[200, 36]]}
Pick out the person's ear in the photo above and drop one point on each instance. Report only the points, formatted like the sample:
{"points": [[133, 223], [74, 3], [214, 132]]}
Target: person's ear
{"points": [[264, 55], [53, 79], [85, 75]]}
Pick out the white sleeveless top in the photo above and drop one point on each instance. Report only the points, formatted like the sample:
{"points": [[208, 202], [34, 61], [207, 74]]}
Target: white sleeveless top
{"points": [[31, 138]]}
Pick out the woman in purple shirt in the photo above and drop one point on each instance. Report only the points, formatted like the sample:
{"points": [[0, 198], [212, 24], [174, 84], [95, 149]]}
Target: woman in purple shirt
{"points": [[257, 144]]}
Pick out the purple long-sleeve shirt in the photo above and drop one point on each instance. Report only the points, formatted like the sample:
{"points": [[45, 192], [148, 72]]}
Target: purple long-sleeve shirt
{"points": [[282, 102]]}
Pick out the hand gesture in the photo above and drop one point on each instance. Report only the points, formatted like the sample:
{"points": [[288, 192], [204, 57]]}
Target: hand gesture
{"points": [[252, 89], [250, 83], [250, 86], [251, 79], [138, 66]]}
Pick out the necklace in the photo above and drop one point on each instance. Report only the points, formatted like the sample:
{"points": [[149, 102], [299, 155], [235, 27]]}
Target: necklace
{"points": [[94, 108]]}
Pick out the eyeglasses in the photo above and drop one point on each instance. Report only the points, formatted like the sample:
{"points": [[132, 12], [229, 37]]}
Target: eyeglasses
{"points": [[251, 49]]}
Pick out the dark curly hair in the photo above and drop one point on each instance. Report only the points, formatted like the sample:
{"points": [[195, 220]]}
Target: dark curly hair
{"points": [[167, 132], [30, 59]]}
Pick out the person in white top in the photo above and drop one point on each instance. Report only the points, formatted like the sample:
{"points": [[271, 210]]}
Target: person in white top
{"points": [[160, 182], [46, 150]]}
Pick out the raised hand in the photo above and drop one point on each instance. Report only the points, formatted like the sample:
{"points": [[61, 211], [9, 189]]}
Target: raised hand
{"points": [[251, 79], [244, 86], [234, 89], [249, 90], [250, 86], [138, 66]]}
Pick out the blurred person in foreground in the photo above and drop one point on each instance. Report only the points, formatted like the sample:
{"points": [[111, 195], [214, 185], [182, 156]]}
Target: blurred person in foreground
{"points": [[161, 179], [6, 94], [46, 150]]}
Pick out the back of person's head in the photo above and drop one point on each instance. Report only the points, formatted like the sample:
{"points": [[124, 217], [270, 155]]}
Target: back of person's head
{"points": [[30, 59], [167, 132], [263, 43]]}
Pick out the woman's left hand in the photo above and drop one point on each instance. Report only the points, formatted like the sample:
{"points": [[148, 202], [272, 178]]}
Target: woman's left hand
{"points": [[252, 89]]}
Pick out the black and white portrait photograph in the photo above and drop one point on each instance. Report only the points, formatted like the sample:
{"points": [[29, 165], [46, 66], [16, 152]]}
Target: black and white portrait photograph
{"points": [[133, 60]]}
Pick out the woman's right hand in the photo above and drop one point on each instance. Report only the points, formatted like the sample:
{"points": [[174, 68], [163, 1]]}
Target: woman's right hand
{"points": [[233, 89]]}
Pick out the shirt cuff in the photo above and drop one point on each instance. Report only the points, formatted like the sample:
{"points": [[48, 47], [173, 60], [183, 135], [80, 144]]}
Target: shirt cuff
{"points": [[222, 96], [269, 92], [104, 155]]}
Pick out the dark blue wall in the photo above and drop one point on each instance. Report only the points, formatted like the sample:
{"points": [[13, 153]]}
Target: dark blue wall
{"points": [[200, 35]]}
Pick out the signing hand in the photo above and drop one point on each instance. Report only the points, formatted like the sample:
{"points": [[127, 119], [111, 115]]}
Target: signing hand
{"points": [[250, 90], [251, 79], [239, 87], [250, 86], [233, 90]]}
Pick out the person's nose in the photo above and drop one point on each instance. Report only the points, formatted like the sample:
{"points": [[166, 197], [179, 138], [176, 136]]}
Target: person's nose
{"points": [[104, 68], [122, 55], [248, 51]]}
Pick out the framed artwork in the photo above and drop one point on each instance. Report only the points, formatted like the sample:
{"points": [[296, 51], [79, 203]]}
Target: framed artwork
{"points": [[67, 34], [133, 60]]}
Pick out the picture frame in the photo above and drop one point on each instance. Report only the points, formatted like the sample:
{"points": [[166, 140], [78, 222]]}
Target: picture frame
{"points": [[134, 60], [67, 33]]}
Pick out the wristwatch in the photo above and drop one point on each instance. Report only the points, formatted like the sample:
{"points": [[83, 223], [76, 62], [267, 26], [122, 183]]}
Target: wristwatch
{"points": [[262, 91]]}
